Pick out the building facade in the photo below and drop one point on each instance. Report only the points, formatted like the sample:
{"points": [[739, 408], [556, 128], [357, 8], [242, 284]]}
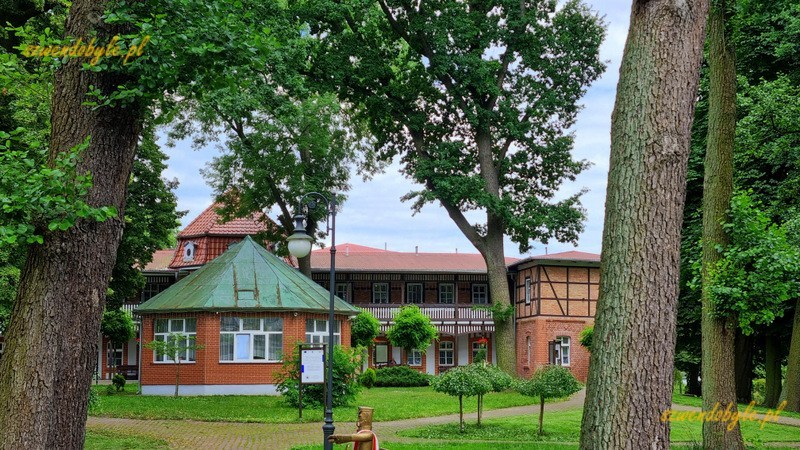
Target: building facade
{"points": [[555, 298]]}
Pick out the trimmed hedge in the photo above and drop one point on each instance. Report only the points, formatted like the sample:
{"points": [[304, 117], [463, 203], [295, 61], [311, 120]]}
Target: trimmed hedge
{"points": [[400, 376]]}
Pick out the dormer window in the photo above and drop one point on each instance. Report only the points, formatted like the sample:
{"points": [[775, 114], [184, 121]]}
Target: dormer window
{"points": [[188, 251]]}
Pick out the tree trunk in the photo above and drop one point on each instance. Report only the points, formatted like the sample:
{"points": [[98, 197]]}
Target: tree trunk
{"points": [[504, 333], [718, 334], [743, 366], [304, 265], [772, 367], [630, 374], [793, 365], [461, 412], [480, 398], [51, 341], [693, 381], [177, 375], [541, 415]]}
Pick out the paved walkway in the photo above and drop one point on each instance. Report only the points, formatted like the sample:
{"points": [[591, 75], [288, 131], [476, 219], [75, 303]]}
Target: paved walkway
{"points": [[188, 434]]}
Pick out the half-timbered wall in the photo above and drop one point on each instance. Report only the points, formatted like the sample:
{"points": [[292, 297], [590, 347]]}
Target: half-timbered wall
{"points": [[559, 291]]}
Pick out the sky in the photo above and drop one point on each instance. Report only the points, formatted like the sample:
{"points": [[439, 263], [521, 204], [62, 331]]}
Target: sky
{"points": [[373, 214]]}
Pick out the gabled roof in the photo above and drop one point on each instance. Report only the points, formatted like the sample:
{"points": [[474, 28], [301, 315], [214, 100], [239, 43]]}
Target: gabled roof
{"points": [[351, 257], [245, 278], [209, 223], [571, 257], [161, 261]]}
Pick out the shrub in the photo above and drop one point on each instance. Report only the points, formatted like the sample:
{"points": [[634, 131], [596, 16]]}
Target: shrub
{"points": [[400, 376], [549, 382], [94, 399], [586, 337], [368, 378], [345, 383], [364, 328], [118, 381]]}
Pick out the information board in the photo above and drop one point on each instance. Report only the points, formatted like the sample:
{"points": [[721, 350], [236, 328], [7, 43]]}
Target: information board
{"points": [[312, 366]]}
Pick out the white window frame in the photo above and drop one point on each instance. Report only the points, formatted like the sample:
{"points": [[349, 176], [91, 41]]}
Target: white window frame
{"points": [[446, 348], [189, 250], [452, 293], [190, 355], [270, 334], [414, 358], [319, 332], [376, 292], [527, 290], [343, 291], [477, 294], [421, 293], [564, 356]]}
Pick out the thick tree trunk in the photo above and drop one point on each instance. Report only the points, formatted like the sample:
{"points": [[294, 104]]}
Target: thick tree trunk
{"points": [[792, 382], [743, 366], [504, 334], [693, 381], [304, 264], [630, 374], [718, 334], [772, 367], [52, 338]]}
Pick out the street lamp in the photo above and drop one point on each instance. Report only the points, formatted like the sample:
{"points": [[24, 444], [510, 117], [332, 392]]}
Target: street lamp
{"points": [[299, 244]]}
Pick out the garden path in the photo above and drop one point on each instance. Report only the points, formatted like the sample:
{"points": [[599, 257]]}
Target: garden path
{"points": [[188, 434]]}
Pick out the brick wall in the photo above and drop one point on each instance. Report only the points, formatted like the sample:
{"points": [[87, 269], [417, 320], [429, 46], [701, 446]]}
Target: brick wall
{"points": [[542, 330], [207, 369]]}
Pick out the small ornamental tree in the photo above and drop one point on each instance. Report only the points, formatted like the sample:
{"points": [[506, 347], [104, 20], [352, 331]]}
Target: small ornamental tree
{"points": [[462, 381], [364, 328], [549, 382], [412, 329], [499, 381], [117, 325], [175, 348], [586, 337]]}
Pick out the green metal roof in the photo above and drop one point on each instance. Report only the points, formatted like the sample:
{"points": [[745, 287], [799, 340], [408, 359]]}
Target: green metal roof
{"points": [[246, 277]]}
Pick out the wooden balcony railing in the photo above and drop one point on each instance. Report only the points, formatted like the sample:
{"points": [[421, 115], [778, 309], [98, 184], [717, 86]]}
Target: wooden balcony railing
{"points": [[435, 312]]}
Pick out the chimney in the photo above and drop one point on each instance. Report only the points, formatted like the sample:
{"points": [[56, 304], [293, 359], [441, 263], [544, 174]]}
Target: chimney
{"points": [[416, 249], [456, 250], [545, 249], [385, 246], [347, 250]]}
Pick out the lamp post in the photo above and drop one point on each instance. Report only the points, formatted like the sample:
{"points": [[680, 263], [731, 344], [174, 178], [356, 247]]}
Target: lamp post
{"points": [[299, 244]]}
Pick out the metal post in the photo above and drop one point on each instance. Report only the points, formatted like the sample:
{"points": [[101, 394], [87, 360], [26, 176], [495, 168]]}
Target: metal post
{"points": [[328, 428]]}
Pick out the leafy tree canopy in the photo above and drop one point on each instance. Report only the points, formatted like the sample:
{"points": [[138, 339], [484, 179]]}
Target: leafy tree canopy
{"points": [[117, 325], [364, 328], [550, 381], [412, 329]]}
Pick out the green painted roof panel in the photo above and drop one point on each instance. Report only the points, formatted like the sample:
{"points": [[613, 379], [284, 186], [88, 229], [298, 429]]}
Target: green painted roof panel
{"points": [[245, 277]]}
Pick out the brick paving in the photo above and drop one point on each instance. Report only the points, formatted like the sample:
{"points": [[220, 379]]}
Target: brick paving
{"points": [[189, 434]]}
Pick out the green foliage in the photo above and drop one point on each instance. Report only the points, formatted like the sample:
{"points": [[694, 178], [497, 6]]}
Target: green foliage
{"points": [[411, 329], [345, 382], [368, 378], [759, 269], [586, 336], [150, 216], [118, 381], [364, 328], [400, 376], [11, 259], [94, 400], [118, 326], [461, 381], [452, 86], [498, 379], [35, 196], [549, 381]]}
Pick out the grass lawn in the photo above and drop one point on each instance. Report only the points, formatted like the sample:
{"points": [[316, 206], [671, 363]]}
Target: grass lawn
{"points": [[691, 400], [389, 404], [563, 426], [100, 440]]}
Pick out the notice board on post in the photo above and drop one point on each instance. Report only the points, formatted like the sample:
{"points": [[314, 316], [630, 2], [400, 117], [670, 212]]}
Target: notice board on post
{"points": [[312, 366], [312, 369]]}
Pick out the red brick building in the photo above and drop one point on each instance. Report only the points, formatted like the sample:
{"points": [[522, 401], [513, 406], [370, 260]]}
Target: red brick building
{"points": [[247, 309]]}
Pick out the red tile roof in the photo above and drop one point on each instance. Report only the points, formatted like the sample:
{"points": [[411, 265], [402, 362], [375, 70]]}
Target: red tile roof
{"points": [[161, 260], [209, 223], [357, 258]]}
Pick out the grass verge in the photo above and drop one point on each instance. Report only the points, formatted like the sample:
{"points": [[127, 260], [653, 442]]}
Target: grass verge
{"points": [[103, 440]]}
